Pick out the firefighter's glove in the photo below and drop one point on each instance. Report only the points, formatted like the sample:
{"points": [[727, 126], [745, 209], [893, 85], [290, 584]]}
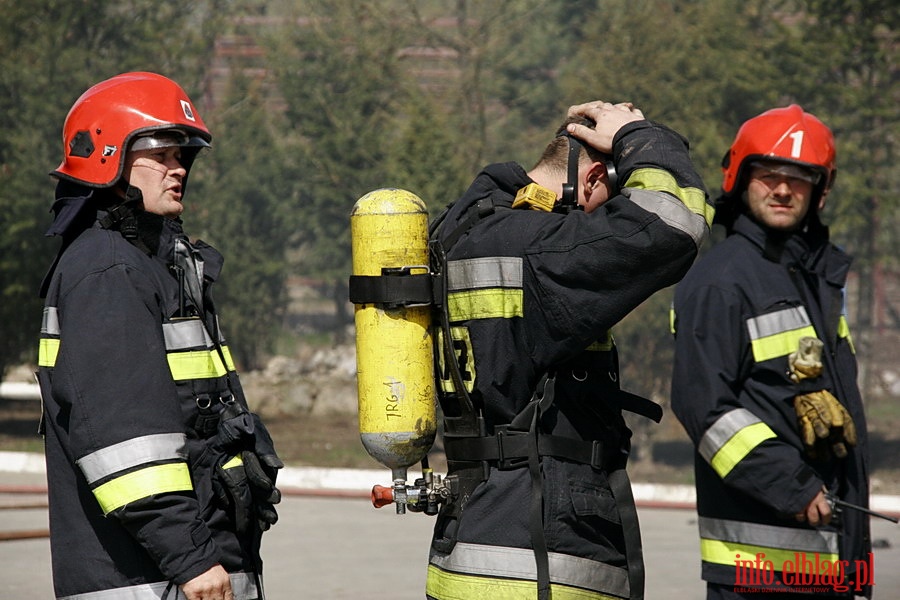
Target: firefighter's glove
{"points": [[264, 447], [236, 427], [263, 491], [806, 362], [824, 423], [232, 487]]}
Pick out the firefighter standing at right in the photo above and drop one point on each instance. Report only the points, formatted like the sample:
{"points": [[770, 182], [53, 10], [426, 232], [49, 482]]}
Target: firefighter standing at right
{"points": [[765, 374]]}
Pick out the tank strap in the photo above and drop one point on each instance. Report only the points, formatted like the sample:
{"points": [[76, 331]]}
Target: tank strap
{"points": [[395, 287]]}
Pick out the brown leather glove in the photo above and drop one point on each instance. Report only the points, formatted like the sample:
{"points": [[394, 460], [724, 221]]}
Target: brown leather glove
{"points": [[824, 423]]}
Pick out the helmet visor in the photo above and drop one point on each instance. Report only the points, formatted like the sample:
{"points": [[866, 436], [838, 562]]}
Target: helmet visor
{"points": [[168, 138], [788, 170]]}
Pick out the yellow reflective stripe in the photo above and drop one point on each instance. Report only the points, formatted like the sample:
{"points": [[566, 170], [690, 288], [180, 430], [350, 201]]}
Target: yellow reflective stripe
{"points": [[844, 332], [663, 181], [726, 553], [455, 586], [197, 364], [229, 362], [235, 461], [157, 479], [487, 303], [47, 351], [464, 356], [740, 446], [604, 345], [779, 344]]}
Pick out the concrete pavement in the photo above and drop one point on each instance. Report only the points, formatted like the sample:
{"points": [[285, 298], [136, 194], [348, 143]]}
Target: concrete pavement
{"points": [[331, 544]]}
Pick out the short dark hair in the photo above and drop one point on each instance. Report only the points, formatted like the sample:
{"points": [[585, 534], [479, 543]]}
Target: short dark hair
{"points": [[556, 154]]}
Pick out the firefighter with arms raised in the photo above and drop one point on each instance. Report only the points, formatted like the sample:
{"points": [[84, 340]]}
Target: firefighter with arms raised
{"points": [[539, 265]]}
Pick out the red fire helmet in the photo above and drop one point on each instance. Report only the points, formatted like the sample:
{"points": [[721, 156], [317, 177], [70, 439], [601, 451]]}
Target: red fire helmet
{"points": [[108, 116], [787, 135]]}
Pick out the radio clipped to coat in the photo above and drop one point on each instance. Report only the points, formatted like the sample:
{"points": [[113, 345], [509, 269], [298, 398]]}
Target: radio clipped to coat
{"points": [[392, 290]]}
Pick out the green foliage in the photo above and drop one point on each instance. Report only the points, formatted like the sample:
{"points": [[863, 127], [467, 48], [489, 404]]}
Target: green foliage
{"points": [[341, 87], [354, 95], [241, 208]]}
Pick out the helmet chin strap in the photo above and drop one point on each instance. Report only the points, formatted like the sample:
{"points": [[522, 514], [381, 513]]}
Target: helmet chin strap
{"points": [[569, 200], [121, 216]]}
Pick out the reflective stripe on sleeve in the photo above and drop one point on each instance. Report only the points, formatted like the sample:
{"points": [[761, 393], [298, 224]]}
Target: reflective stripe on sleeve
{"points": [[158, 479], [243, 587], [777, 334], [734, 435], [603, 345], [50, 321], [495, 271], [186, 334], [485, 304], [672, 212], [660, 180], [485, 288], [483, 571], [722, 540], [192, 353], [198, 364], [844, 333], [48, 348], [161, 447]]}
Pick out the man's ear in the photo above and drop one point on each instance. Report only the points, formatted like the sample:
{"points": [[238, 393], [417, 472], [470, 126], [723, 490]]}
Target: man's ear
{"points": [[594, 175]]}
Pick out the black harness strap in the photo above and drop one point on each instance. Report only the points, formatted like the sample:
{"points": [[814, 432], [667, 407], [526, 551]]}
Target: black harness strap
{"points": [[631, 530], [540, 402]]}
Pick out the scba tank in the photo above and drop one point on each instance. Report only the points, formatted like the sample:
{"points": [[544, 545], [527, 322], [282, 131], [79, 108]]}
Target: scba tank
{"points": [[394, 355]]}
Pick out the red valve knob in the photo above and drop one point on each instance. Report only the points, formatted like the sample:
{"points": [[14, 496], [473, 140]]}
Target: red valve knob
{"points": [[382, 496]]}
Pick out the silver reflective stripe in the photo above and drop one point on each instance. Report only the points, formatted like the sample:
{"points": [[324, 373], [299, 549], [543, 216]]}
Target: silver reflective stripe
{"points": [[723, 430], [131, 453], [770, 536], [243, 586], [781, 321], [50, 321], [672, 211], [475, 273], [518, 563], [186, 334]]}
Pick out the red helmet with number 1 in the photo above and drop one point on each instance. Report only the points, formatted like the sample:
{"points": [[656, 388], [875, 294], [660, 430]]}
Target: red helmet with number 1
{"points": [[785, 135], [108, 117]]}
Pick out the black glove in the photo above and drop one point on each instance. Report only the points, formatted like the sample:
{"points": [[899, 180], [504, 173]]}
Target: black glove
{"points": [[232, 487], [262, 489], [262, 470], [236, 428], [248, 486]]}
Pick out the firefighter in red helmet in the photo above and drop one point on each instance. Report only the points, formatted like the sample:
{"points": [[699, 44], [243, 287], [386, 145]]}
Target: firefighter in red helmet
{"points": [[765, 373], [161, 481]]}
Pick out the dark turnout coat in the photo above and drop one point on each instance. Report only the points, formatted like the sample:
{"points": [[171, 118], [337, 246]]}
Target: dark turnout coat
{"points": [[532, 293], [739, 313], [130, 356]]}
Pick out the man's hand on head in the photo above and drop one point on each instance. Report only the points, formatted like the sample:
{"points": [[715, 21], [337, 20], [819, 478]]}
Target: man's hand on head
{"points": [[609, 119]]}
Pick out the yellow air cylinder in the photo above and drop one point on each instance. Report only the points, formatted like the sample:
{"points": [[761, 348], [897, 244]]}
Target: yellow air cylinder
{"points": [[394, 364]]}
